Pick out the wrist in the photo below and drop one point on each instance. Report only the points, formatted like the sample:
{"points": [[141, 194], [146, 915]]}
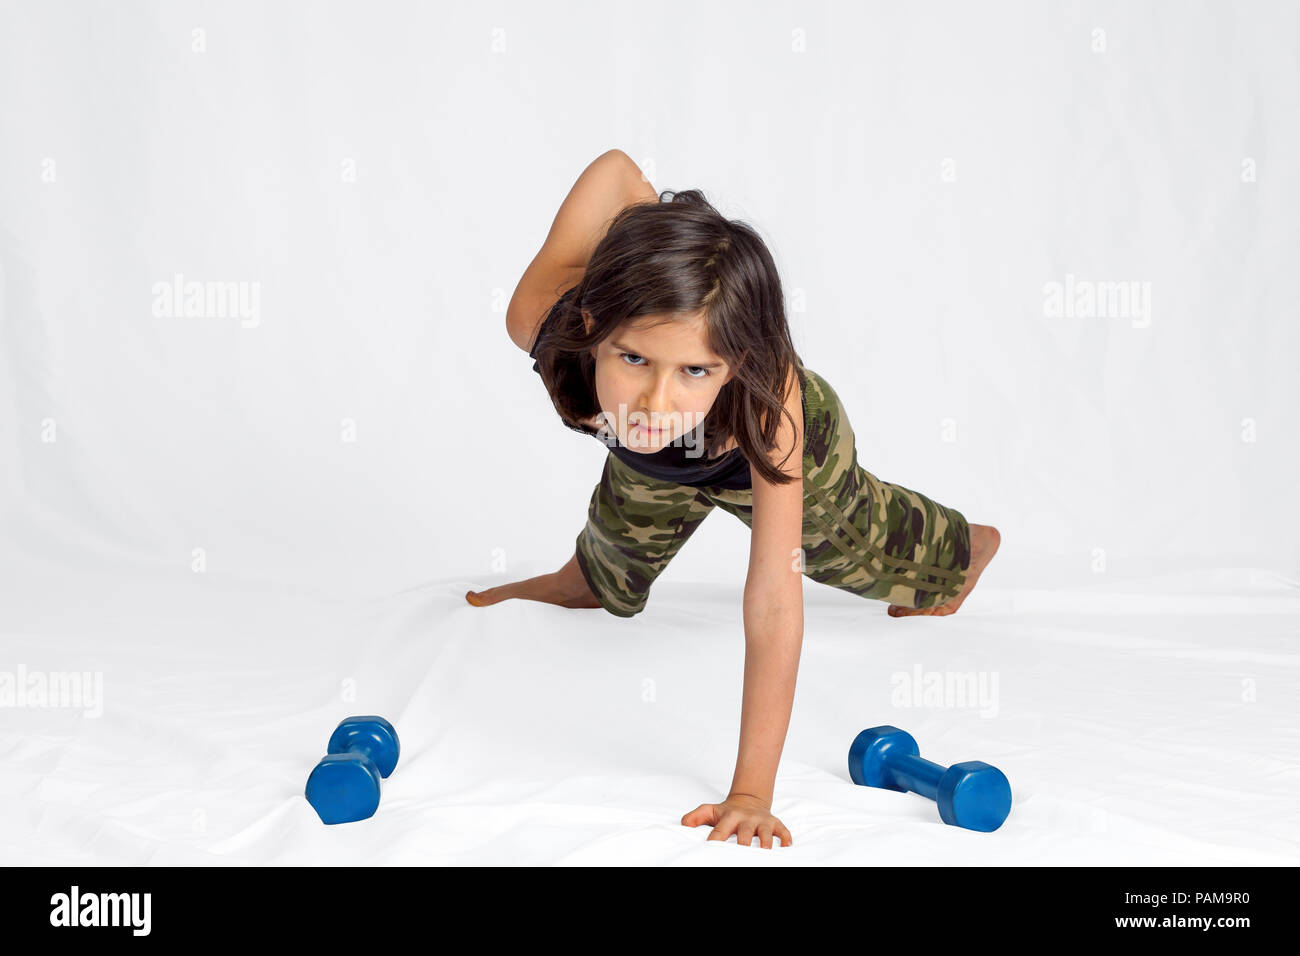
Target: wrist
{"points": [[749, 799]]}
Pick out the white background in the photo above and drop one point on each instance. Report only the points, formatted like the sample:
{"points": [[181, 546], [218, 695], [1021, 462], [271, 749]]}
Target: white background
{"points": [[920, 172]]}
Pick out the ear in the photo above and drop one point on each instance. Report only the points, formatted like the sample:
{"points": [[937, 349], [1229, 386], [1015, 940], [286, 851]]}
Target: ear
{"points": [[587, 320]]}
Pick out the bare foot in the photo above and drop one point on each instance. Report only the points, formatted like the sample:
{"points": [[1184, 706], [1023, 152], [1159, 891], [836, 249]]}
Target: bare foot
{"points": [[565, 587], [984, 541]]}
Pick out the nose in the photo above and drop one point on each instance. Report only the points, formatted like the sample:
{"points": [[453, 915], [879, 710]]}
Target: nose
{"points": [[655, 399]]}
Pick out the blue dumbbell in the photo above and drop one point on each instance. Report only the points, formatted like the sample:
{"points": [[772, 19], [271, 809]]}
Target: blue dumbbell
{"points": [[973, 794], [344, 786]]}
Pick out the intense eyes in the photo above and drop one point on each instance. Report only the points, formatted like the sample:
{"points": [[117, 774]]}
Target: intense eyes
{"points": [[705, 373]]}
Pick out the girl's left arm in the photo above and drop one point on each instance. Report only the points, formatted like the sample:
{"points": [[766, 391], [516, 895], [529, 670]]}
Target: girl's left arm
{"points": [[773, 615], [773, 610]]}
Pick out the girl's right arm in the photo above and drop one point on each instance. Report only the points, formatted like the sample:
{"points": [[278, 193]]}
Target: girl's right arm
{"points": [[611, 182]]}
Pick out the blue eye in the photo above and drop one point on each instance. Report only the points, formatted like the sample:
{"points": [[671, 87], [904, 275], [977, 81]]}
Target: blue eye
{"points": [[626, 356]]}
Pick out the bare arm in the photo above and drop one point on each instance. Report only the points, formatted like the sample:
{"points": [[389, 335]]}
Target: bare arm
{"points": [[773, 614], [773, 610], [609, 183]]}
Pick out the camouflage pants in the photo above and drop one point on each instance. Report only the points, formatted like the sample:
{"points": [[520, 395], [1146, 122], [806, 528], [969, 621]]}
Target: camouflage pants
{"points": [[860, 534]]}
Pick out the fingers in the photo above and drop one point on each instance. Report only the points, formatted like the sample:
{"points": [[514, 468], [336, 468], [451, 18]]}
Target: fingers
{"points": [[744, 825], [783, 833], [726, 826], [745, 832]]}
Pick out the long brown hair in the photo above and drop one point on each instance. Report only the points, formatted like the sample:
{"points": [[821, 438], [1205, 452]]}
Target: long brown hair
{"points": [[676, 257]]}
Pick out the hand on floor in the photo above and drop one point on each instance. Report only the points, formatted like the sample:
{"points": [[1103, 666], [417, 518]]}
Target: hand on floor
{"points": [[742, 815]]}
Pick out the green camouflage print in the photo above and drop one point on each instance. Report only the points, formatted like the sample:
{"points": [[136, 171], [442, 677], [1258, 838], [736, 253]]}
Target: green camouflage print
{"points": [[860, 534]]}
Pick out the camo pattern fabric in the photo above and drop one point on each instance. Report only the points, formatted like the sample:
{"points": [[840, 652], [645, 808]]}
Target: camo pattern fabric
{"points": [[860, 534]]}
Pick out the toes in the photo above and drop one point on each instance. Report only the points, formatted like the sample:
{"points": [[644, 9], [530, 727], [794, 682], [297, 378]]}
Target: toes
{"points": [[897, 610]]}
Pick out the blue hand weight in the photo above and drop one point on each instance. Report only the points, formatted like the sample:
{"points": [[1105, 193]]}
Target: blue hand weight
{"points": [[344, 786], [972, 795]]}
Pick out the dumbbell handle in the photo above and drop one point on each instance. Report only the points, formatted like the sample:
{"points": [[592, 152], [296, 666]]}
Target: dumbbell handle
{"points": [[910, 772], [358, 747]]}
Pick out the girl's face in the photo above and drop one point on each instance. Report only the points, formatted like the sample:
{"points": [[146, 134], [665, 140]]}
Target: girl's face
{"points": [[656, 384]]}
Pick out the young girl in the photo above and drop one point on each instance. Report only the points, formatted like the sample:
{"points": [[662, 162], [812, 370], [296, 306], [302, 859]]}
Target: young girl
{"points": [[658, 326]]}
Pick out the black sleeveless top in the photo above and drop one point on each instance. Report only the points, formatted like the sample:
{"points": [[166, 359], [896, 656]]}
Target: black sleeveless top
{"points": [[670, 463]]}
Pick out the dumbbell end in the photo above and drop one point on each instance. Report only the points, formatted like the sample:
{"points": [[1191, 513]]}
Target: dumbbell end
{"points": [[344, 788], [373, 734], [869, 750], [975, 796]]}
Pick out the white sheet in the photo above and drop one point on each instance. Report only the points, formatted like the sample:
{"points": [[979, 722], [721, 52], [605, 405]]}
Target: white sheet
{"points": [[537, 734]]}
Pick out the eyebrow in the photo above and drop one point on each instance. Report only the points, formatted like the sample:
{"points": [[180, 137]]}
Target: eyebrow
{"points": [[623, 348]]}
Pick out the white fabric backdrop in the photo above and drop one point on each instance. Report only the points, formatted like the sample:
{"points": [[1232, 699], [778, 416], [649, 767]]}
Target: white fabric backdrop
{"points": [[251, 525]]}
